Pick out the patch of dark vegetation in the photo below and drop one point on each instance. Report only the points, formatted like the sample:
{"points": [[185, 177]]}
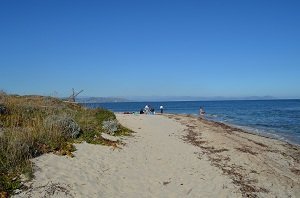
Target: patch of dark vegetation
{"points": [[289, 152], [3, 110], [258, 143], [218, 160], [212, 150], [219, 150], [246, 150], [166, 183], [272, 151], [255, 142], [236, 173], [215, 159], [247, 186], [33, 125], [249, 190], [123, 131], [191, 126], [228, 129], [191, 137], [293, 152], [254, 171], [295, 171]]}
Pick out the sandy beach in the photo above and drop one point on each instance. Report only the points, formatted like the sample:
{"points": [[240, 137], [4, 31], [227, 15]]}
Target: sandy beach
{"points": [[172, 156]]}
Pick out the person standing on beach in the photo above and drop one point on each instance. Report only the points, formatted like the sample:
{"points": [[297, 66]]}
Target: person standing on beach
{"points": [[161, 109], [201, 112], [147, 109], [142, 111], [152, 110]]}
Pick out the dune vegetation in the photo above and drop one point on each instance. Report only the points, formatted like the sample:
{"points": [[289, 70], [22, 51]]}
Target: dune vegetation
{"points": [[33, 125]]}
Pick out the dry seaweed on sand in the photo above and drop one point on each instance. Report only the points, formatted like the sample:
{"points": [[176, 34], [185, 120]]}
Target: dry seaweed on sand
{"points": [[246, 150]]}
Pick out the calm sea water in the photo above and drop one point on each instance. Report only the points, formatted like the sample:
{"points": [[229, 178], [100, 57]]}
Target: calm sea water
{"points": [[274, 118]]}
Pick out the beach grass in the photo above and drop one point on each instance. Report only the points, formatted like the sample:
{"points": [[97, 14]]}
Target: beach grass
{"points": [[33, 125]]}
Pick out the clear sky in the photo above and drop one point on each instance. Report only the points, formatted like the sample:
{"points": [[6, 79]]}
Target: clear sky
{"points": [[151, 48]]}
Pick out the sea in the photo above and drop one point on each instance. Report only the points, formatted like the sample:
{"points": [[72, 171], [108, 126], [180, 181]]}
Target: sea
{"points": [[278, 119]]}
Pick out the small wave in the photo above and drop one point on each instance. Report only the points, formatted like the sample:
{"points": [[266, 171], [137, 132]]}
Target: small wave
{"points": [[265, 133]]}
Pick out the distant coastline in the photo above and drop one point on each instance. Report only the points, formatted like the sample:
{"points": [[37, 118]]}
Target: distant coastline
{"points": [[121, 100], [196, 98], [101, 100], [174, 99]]}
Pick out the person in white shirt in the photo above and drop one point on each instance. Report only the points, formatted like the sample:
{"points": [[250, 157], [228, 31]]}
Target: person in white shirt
{"points": [[147, 109], [161, 109]]}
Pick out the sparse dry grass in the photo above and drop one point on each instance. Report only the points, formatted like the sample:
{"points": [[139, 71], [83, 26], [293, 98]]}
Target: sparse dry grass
{"points": [[25, 132]]}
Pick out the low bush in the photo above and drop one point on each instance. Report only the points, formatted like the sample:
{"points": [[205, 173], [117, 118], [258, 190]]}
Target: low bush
{"points": [[110, 126], [64, 124]]}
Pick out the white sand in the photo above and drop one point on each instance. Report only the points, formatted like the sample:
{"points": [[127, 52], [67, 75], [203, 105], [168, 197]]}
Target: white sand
{"points": [[155, 162]]}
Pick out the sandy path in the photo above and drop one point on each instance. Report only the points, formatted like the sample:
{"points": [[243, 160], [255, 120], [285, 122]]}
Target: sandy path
{"points": [[155, 162]]}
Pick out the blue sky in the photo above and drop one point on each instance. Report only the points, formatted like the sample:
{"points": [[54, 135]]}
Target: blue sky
{"points": [[151, 48]]}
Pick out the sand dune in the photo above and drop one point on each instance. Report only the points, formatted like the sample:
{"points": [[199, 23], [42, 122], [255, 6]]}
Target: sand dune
{"points": [[172, 156]]}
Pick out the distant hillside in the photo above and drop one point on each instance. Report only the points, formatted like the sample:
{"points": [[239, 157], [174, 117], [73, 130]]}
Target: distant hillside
{"points": [[197, 98], [100, 99], [165, 98]]}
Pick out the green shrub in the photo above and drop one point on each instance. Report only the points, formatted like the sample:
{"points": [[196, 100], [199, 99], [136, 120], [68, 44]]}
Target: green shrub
{"points": [[103, 115], [33, 125], [63, 123], [110, 126]]}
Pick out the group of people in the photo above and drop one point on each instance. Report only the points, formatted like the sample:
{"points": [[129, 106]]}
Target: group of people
{"points": [[150, 110]]}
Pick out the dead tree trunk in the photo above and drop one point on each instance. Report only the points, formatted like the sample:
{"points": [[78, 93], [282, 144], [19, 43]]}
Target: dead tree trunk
{"points": [[72, 98]]}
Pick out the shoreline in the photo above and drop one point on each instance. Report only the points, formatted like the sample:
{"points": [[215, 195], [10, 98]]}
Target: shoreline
{"points": [[229, 127], [277, 119], [238, 128]]}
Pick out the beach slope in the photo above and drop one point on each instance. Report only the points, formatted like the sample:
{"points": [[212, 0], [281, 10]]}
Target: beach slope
{"points": [[172, 156]]}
